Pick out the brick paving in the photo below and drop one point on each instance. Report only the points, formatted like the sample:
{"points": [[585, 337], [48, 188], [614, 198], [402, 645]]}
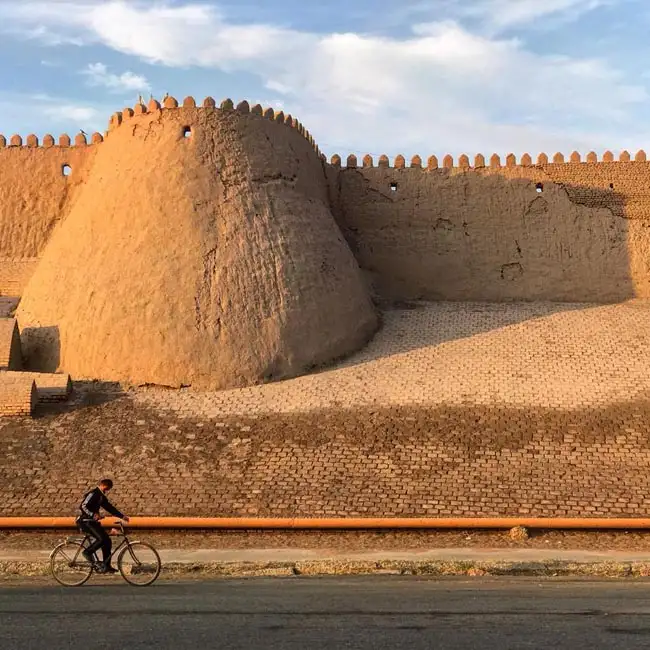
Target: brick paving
{"points": [[467, 410], [520, 354]]}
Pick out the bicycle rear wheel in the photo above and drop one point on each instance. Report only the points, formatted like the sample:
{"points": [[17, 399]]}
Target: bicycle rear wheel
{"points": [[68, 566], [139, 564]]}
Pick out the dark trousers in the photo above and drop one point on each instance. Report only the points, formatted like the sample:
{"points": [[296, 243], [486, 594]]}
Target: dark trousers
{"points": [[99, 538]]}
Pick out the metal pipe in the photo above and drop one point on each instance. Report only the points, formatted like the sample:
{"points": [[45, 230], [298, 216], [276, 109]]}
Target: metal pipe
{"points": [[353, 523]]}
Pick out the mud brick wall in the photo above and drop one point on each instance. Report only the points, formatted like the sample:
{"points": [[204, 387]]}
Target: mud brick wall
{"points": [[50, 387], [10, 350], [40, 178], [18, 396], [469, 461], [15, 274], [36, 192], [562, 228], [575, 230]]}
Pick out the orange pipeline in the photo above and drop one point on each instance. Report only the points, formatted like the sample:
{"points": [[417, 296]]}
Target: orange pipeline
{"points": [[255, 523]]}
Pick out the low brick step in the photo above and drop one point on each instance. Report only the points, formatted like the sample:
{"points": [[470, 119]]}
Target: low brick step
{"points": [[10, 350], [51, 387], [18, 396]]}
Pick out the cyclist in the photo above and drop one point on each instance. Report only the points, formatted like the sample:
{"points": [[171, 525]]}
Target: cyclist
{"points": [[88, 522]]}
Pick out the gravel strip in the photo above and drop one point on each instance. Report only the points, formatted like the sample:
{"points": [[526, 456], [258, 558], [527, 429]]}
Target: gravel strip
{"points": [[356, 541], [12, 571]]}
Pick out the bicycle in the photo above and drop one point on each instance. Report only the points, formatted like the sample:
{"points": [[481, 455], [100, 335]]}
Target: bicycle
{"points": [[67, 556]]}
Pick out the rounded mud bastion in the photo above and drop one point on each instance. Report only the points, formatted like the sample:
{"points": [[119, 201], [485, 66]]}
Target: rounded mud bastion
{"points": [[200, 251]]}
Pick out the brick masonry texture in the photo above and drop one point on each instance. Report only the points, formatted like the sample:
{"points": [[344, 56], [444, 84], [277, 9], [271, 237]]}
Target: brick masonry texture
{"points": [[18, 395], [407, 461], [15, 274], [453, 410], [527, 354], [50, 387], [10, 350]]}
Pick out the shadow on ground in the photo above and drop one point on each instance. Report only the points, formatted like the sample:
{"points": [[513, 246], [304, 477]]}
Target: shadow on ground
{"points": [[85, 395]]}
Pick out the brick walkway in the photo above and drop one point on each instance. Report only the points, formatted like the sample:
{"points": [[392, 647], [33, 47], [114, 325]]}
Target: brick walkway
{"points": [[532, 354]]}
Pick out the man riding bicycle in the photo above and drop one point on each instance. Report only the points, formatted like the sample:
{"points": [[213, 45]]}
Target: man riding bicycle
{"points": [[88, 522]]}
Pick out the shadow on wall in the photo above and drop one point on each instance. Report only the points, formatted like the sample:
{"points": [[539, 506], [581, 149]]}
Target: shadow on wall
{"points": [[41, 348], [477, 236]]}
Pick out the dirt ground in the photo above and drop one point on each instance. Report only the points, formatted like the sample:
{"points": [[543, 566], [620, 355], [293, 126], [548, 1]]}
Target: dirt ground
{"points": [[355, 541]]}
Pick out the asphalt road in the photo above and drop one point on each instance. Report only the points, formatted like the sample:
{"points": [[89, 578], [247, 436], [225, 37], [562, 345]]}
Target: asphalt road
{"points": [[310, 613]]}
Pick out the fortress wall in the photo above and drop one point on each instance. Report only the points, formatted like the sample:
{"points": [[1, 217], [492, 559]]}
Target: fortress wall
{"points": [[200, 251], [35, 194], [576, 230]]}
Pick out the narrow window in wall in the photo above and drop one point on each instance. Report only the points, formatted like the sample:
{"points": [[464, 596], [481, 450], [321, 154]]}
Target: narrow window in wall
{"points": [[393, 187], [539, 188], [187, 132], [66, 170], [611, 186]]}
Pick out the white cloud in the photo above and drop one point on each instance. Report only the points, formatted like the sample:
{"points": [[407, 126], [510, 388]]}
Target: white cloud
{"points": [[45, 36], [98, 75], [502, 14], [442, 85], [74, 112], [25, 111]]}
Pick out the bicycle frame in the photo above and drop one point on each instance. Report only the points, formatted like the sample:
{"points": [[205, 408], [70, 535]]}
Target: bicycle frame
{"points": [[82, 543]]}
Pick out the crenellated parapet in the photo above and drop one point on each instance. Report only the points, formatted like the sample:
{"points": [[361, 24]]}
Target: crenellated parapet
{"points": [[64, 141], [153, 106], [209, 104], [493, 162]]}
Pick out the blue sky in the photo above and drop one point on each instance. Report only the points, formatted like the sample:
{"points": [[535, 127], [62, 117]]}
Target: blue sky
{"points": [[365, 76]]}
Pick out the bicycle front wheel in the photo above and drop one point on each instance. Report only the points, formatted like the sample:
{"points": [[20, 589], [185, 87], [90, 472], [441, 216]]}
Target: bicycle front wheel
{"points": [[68, 566], [139, 564]]}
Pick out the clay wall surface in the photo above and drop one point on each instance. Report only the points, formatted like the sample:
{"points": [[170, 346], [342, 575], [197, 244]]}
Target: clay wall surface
{"points": [[35, 194], [15, 274], [448, 230], [565, 231], [201, 251]]}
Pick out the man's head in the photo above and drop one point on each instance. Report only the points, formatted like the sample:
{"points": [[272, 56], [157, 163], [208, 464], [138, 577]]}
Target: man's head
{"points": [[105, 485]]}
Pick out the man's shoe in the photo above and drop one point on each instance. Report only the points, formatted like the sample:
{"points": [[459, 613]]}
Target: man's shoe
{"points": [[110, 569], [88, 555], [99, 567]]}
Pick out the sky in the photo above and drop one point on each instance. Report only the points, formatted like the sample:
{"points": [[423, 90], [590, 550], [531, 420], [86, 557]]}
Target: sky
{"points": [[364, 76]]}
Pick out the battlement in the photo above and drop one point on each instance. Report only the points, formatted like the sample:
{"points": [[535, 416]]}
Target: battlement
{"points": [[168, 103], [480, 161], [64, 141], [209, 104], [40, 177]]}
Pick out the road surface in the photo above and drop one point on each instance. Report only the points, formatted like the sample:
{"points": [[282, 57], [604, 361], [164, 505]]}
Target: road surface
{"points": [[314, 613]]}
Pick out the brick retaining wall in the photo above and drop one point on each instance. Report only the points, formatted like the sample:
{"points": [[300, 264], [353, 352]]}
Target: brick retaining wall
{"points": [[405, 461], [18, 397], [10, 349]]}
